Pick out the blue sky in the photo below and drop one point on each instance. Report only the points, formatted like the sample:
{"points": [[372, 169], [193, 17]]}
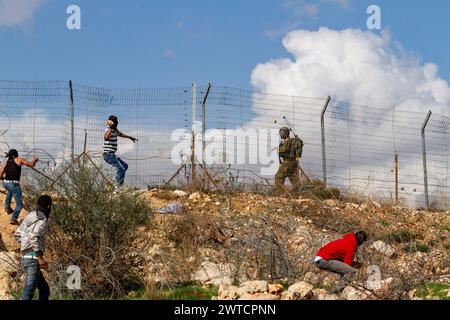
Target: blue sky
{"points": [[172, 42]]}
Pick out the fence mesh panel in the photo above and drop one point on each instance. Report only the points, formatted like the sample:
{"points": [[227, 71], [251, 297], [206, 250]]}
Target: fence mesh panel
{"points": [[361, 141]]}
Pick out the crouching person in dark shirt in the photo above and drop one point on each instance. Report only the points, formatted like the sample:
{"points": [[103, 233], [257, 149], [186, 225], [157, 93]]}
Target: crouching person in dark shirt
{"points": [[337, 257], [31, 236]]}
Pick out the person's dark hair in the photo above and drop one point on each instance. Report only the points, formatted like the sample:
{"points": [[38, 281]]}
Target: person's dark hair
{"points": [[44, 204], [361, 237], [44, 201], [12, 154], [115, 120]]}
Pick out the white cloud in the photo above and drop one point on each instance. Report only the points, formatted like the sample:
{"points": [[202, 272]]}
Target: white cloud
{"points": [[353, 65], [367, 69], [302, 10], [18, 12]]}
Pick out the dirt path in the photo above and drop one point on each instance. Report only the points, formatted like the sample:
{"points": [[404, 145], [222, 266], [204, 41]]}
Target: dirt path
{"points": [[7, 241]]}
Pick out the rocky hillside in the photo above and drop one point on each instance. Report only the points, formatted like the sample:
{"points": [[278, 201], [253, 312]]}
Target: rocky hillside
{"points": [[259, 247], [230, 240]]}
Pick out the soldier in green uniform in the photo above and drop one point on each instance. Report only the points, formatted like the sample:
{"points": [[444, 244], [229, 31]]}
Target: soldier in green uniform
{"points": [[289, 161]]}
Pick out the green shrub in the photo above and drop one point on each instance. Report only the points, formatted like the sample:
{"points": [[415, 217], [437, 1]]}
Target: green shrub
{"points": [[188, 292], [434, 291], [402, 236], [416, 247], [92, 228]]}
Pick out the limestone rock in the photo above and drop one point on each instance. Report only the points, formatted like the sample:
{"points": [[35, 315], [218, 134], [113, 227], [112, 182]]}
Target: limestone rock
{"points": [[253, 287], [370, 205], [350, 293], [180, 193], [330, 203], [384, 248], [228, 292], [276, 289], [299, 291], [195, 196], [214, 274], [320, 294], [388, 286]]}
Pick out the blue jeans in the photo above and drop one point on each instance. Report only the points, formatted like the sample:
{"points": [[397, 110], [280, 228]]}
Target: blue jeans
{"points": [[15, 191], [120, 165], [34, 280]]}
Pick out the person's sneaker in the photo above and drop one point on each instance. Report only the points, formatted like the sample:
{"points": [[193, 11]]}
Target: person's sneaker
{"points": [[14, 223], [9, 211]]}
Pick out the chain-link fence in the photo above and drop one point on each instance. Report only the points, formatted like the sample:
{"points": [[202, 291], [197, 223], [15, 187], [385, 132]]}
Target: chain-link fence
{"points": [[376, 151]]}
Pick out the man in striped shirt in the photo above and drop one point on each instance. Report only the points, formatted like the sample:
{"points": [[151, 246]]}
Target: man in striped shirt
{"points": [[110, 149]]}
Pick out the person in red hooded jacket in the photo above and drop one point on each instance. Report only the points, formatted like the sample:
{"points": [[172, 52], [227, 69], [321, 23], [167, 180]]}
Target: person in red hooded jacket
{"points": [[337, 257]]}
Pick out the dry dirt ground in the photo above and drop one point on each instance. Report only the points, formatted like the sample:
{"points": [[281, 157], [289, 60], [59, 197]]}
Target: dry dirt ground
{"points": [[275, 239], [278, 238]]}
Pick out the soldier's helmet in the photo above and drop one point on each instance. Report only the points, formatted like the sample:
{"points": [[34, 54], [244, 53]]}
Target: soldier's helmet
{"points": [[286, 130]]}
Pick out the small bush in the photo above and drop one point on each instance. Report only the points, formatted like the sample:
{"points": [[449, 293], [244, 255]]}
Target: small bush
{"points": [[92, 228], [402, 236], [188, 292], [434, 291], [318, 190], [416, 247]]}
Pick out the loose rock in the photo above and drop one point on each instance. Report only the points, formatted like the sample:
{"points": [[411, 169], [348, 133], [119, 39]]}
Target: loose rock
{"points": [[299, 291], [384, 248]]}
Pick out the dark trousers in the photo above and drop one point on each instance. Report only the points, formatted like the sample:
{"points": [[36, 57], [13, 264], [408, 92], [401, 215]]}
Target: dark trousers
{"points": [[347, 272], [34, 279]]}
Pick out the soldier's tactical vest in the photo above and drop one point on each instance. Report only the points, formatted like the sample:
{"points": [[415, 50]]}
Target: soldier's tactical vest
{"points": [[291, 149]]}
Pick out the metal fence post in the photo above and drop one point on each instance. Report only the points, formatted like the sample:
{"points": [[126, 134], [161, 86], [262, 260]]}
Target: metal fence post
{"points": [[396, 177], [205, 97], [72, 122], [324, 155], [205, 172], [424, 155], [194, 118]]}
